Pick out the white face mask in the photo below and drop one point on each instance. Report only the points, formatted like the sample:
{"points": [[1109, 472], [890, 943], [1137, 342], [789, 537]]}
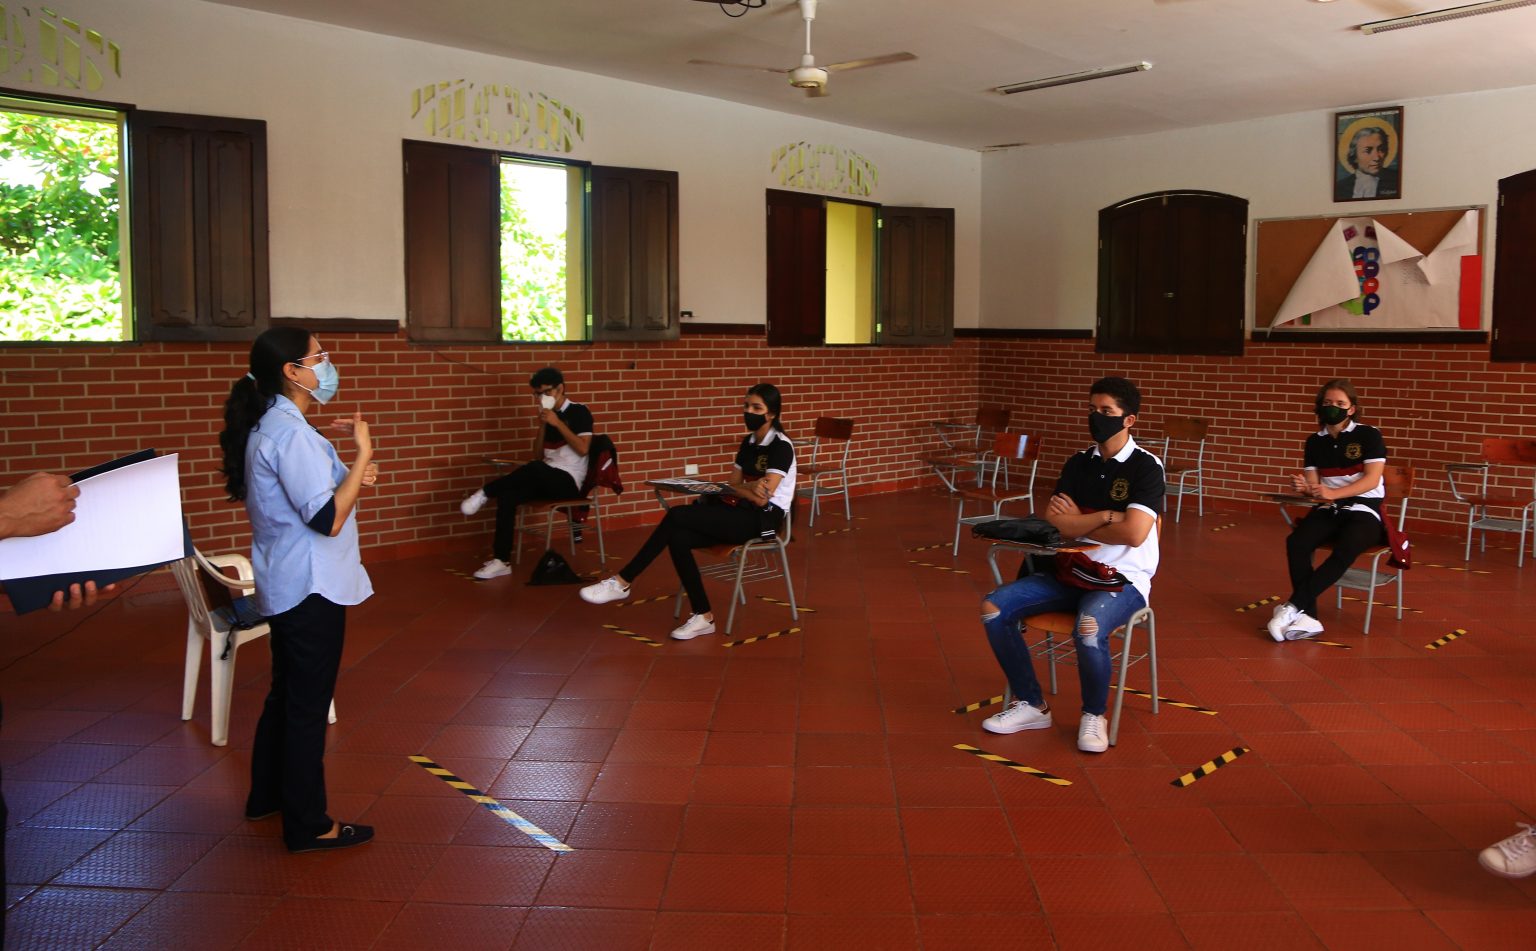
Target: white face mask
{"points": [[547, 401]]}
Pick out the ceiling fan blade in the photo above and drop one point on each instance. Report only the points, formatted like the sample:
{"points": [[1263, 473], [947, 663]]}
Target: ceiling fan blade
{"points": [[869, 61], [710, 62]]}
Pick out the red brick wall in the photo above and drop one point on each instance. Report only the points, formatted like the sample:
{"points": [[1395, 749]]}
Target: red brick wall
{"points": [[1433, 402], [436, 410]]}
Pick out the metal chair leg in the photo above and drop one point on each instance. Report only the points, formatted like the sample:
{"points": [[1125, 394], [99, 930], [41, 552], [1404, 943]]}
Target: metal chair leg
{"points": [[789, 584], [1125, 667]]}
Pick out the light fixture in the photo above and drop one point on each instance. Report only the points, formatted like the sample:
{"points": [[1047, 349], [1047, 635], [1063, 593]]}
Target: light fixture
{"points": [[1067, 79], [1441, 16]]}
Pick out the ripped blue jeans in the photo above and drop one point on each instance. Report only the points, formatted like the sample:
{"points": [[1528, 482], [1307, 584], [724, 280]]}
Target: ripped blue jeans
{"points": [[1101, 612]]}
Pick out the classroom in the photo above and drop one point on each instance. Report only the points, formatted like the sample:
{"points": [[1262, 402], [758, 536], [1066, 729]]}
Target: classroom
{"points": [[932, 267]]}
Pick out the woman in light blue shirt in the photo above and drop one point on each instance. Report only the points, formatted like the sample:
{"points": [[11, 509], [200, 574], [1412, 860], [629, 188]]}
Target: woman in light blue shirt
{"points": [[302, 504]]}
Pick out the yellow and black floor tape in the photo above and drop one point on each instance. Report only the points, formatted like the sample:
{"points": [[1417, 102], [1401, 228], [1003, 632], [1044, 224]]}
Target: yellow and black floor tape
{"points": [[1459, 632], [659, 597], [1333, 644], [461, 574], [1473, 571], [1382, 604], [494, 805], [1259, 603], [1174, 703], [762, 637], [929, 547], [632, 635], [1206, 769], [834, 531], [929, 564], [1222, 528], [1004, 761], [973, 707], [784, 604]]}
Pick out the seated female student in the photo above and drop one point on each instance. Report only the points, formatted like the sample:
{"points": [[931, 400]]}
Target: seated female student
{"points": [[1344, 462], [756, 506]]}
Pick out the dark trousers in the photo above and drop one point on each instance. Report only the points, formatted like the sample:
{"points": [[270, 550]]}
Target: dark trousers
{"points": [[287, 760], [687, 527], [531, 482], [1350, 533]]}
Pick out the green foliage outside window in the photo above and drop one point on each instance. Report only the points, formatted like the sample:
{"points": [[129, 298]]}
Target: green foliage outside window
{"points": [[59, 206], [533, 278]]}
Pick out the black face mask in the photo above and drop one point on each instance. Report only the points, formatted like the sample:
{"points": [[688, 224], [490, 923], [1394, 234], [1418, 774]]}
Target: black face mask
{"points": [[754, 421], [1332, 415], [1104, 428]]}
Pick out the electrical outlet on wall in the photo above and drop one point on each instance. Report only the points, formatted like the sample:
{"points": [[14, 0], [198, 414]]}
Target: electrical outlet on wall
{"points": [[691, 469]]}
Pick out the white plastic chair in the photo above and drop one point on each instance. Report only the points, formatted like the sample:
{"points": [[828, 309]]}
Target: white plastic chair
{"points": [[223, 639]]}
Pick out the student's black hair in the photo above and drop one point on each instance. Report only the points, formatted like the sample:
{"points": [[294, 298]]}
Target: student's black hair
{"points": [[1122, 391], [549, 376], [771, 399], [1345, 387], [249, 398]]}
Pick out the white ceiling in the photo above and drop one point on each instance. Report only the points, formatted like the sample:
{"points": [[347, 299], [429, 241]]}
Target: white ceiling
{"points": [[1215, 60]]}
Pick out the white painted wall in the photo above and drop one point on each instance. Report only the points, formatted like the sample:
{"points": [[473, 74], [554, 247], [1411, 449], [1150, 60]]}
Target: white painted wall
{"points": [[337, 105], [1040, 219]]}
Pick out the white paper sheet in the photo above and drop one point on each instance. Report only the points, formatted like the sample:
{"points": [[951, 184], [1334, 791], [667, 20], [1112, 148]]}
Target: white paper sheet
{"points": [[1328, 278], [123, 519]]}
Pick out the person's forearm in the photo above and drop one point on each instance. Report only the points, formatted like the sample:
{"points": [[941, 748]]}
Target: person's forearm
{"points": [[1093, 525], [348, 491]]}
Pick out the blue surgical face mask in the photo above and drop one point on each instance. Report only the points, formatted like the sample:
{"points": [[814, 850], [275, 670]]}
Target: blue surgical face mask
{"points": [[328, 381]]}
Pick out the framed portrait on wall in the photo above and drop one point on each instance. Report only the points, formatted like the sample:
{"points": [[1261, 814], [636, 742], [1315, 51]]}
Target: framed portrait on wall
{"points": [[1367, 154]]}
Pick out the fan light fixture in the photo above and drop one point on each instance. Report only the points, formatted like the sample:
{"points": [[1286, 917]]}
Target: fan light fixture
{"points": [[1067, 79], [1441, 16]]}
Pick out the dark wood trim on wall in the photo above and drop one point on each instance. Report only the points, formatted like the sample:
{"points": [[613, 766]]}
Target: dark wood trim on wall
{"points": [[1369, 336], [738, 330], [340, 325], [1020, 333]]}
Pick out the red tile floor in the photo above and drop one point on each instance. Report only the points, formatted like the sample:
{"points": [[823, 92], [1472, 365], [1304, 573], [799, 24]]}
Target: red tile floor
{"points": [[802, 791]]}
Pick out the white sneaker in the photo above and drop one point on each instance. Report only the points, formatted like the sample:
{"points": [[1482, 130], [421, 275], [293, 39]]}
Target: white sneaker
{"points": [[1092, 735], [609, 589], [1302, 627], [494, 568], [1018, 717], [474, 502], [696, 626], [1514, 857], [1285, 613]]}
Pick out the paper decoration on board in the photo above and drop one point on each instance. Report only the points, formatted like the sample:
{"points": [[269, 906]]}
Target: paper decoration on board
{"points": [[823, 168], [496, 114], [51, 49], [1364, 276]]}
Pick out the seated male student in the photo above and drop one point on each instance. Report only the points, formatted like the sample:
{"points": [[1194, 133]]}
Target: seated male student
{"points": [[563, 435], [1110, 493]]}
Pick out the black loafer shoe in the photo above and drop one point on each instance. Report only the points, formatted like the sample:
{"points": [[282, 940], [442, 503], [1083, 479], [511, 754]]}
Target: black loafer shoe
{"points": [[346, 837]]}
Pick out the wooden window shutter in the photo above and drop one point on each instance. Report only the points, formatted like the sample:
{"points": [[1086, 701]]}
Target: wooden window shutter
{"points": [[198, 199], [452, 251], [634, 254], [917, 276], [1514, 280], [797, 269]]}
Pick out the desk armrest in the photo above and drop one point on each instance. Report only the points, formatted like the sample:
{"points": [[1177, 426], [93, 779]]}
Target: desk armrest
{"points": [[1465, 466]]}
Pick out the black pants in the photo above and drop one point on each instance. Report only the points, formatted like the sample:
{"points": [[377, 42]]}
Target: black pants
{"points": [[687, 527], [1350, 533], [527, 483], [287, 760]]}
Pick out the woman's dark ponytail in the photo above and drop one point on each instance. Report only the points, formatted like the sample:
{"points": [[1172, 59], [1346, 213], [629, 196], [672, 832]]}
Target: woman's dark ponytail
{"points": [[252, 395], [771, 399]]}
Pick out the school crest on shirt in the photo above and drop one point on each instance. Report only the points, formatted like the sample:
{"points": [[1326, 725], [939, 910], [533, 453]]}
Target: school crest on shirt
{"points": [[1352, 451], [762, 463], [1119, 490]]}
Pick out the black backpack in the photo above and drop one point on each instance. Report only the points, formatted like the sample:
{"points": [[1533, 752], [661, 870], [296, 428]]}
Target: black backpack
{"points": [[553, 569], [1031, 528]]}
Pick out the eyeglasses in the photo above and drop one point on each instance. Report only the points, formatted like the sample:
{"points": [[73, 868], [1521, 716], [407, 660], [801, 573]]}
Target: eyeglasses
{"points": [[324, 355]]}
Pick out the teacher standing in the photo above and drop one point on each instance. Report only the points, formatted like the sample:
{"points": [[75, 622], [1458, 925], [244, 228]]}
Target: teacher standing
{"points": [[302, 502]]}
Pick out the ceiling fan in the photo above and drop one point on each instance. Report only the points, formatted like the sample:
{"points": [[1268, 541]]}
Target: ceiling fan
{"points": [[809, 76]]}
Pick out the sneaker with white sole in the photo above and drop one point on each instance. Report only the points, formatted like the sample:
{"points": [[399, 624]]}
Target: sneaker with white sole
{"points": [[495, 568], [697, 625], [1018, 717], [1514, 857], [609, 589], [1285, 613], [1303, 626], [1092, 733], [474, 502]]}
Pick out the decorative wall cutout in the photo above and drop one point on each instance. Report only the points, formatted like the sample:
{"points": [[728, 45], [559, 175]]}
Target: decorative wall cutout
{"points": [[53, 50], [824, 168], [496, 115]]}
